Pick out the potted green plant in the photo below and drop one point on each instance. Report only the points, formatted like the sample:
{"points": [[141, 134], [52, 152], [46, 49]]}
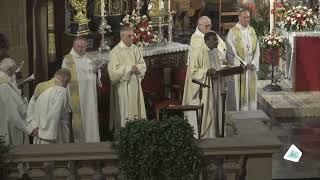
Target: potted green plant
{"points": [[152, 150], [4, 157]]}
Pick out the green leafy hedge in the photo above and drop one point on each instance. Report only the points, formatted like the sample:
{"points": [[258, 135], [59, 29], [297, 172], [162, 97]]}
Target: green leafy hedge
{"points": [[150, 150], [4, 157]]}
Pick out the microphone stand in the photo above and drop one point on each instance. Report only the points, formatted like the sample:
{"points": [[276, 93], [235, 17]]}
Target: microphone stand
{"points": [[199, 119]]}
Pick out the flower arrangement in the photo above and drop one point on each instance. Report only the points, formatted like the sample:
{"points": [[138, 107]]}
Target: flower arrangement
{"points": [[273, 41], [299, 18], [143, 32], [274, 46]]}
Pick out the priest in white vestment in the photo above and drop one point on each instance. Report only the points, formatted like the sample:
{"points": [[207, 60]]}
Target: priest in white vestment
{"points": [[13, 109], [197, 38], [203, 65], [126, 70], [49, 110], [83, 93], [242, 41]]}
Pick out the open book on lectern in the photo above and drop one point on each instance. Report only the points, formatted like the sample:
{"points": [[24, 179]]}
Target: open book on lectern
{"points": [[230, 70]]}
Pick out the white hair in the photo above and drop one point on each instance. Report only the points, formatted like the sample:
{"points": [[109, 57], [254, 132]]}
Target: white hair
{"points": [[6, 64], [204, 19]]}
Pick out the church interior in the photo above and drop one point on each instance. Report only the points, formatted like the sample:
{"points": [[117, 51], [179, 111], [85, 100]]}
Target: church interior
{"points": [[41, 32]]}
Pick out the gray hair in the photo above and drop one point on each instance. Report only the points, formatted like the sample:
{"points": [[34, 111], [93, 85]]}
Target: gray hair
{"points": [[65, 73], [80, 38], [203, 19], [6, 64], [242, 10], [124, 29]]}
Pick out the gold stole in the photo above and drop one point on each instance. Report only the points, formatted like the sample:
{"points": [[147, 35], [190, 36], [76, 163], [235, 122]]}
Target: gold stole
{"points": [[41, 87], [78, 131], [252, 75], [4, 80]]}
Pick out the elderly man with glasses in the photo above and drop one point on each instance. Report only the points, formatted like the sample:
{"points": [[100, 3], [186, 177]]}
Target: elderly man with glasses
{"points": [[197, 38]]}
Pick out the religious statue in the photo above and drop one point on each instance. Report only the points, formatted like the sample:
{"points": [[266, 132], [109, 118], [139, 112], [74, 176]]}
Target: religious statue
{"points": [[79, 25]]}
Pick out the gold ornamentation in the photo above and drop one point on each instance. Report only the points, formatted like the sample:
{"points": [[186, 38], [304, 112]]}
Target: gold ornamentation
{"points": [[79, 25], [80, 8]]}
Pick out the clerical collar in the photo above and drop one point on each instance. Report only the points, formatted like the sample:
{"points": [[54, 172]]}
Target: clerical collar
{"points": [[199, 33], [76, 55], [241, 27], [122, 45], [210, 49]]}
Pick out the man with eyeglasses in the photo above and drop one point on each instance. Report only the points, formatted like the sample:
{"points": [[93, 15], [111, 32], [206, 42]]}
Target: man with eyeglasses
{"points": [[242, 41], [197, 38], [126, 70]]}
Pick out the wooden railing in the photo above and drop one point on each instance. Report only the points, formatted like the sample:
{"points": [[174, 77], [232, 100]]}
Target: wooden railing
{"points": [[246, 155]]}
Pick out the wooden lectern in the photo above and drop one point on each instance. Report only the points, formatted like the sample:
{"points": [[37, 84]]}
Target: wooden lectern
{"points": [[224, 72]]}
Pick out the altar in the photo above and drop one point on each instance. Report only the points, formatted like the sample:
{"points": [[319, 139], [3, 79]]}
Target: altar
{"points": [[303, 65], [166, 65]]}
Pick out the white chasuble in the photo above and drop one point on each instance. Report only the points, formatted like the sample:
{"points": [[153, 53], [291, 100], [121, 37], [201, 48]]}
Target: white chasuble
{"points": [[126, 101], [13, 113], [201, 60], [85, 118]]}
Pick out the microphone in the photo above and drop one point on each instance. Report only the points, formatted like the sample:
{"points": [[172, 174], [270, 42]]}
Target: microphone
{"points": [[236, 57], [200, 83]]}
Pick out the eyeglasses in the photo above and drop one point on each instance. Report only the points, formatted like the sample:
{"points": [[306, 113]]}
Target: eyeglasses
{"points": [[206, 25]]}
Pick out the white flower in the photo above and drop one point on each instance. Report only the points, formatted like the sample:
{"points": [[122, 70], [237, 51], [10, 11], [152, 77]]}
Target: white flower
{"points": [[298, 15], [311, 22], [280, 40], [304, 7], [141, 29], [293, 21], [269, 42], [148, 33]]}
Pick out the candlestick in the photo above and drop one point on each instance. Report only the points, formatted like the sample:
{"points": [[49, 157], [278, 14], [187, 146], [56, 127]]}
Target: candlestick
{"points": [[161, 5], [170, 27], [271, 16], [102, 8]]}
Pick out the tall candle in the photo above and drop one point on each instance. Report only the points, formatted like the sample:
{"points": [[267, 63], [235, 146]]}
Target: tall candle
{"points": [[271, 16], [102, 8], [169, 4], [161, 5], [138, 4]]}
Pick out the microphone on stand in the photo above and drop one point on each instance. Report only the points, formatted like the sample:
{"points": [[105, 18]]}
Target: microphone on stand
{"points": [[236, 57], [200, 83]]}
